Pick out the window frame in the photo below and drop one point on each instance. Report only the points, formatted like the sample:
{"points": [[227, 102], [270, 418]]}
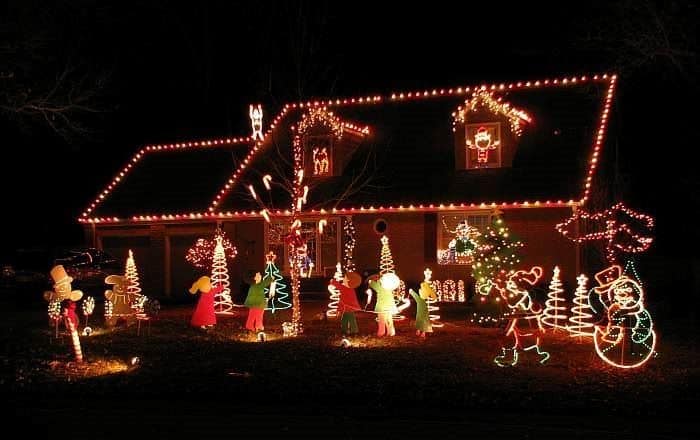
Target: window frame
{"points": [[319, 269], [442, 234]]}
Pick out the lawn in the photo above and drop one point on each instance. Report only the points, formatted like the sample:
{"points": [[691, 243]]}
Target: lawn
{"points": [[187, 379]]}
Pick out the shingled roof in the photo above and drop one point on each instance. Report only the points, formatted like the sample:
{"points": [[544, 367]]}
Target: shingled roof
{"points": [[408, 156]]}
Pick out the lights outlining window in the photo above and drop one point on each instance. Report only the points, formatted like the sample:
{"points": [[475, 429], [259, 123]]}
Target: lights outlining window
{"points": [[457, 236]]}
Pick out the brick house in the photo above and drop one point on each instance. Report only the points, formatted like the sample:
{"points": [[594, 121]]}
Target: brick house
{"points": [[411, 165]]}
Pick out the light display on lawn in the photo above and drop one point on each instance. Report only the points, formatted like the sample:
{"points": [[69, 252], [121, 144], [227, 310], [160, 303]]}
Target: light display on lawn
{"points": [[621, 229], [279, 298], [118, 300], [71, 321], [626, 339], [88, 308], [525, 326], [449, 290], [496, 255], [581, 319], [256, 114], [427, 291], [555, 306], [204, 314], [223, 304], [332, 311], [62, 291], [201, 254], [349, 244], [386, 266], [133, 289]]}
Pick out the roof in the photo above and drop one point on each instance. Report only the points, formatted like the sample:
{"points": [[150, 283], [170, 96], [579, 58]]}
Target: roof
{"points": [[408, 141]]}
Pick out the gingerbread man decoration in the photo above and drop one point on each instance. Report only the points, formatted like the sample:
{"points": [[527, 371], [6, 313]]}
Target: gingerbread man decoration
{"points": [[117, 300]]}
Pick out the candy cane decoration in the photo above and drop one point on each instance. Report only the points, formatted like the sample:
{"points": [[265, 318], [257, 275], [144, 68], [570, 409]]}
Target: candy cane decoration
{"points": [[296, 224], [322, 224], [252, 192], [75, 339], [266, 181], [306, 193], [265, 215]]}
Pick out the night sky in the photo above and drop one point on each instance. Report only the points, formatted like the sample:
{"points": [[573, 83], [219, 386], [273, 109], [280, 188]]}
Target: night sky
{"points": [[163, 72]]}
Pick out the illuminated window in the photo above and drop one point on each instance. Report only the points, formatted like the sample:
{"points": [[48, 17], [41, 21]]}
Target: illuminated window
{"points": [[457, 234], [483, 144], [318, 155], [322, 250]]}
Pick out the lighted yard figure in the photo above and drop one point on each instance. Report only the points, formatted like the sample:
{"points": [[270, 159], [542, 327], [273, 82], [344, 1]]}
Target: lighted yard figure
{"points": [[425, 293], [320, 161], [134, 287], [620, 228], [256, 301], [223, 304], [88, 307], [431, 298], [347, 301], [333, 289], [385, 285], [204, 315], [555, 306], [118, 301], [256, 115], [279, 297], [483, 143], [627, 338], [63, 293], [524, 329], [581, 319]]}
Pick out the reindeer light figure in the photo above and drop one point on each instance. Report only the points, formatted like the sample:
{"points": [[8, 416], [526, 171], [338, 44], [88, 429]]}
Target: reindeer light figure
{"points": [[525, 326]]}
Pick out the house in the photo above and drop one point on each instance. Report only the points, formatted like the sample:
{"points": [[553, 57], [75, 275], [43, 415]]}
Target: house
{"points": [[412, 165]]}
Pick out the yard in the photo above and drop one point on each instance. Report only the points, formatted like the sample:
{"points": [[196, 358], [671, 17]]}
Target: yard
{"points": [[223, 382]]}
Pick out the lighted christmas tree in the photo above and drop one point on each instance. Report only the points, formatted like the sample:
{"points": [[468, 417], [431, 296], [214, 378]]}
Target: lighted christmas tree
{"points": [[580, 321], [386, 265], [219, 277], [279, 300], [332, 311], [555, 306], [133, 289], [386, 262], [496, 255]]}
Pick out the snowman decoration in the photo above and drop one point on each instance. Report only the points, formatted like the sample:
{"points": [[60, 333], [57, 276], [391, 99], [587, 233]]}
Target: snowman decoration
{"points": [[626, 339]]}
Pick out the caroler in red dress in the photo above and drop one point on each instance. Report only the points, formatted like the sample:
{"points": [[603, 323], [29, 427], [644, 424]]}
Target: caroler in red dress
{"points": [[204, 312]]}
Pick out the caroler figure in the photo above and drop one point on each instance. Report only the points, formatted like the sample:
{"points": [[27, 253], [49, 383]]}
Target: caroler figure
{"points": [[204, 315]]}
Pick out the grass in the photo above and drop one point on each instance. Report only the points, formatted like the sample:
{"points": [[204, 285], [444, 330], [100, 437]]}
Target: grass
{"points": [[449, 376]]}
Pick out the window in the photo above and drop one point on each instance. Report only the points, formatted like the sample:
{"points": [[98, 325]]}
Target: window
{"points": [[483, 144], [322, 250], [318, 155], [457, 233]]}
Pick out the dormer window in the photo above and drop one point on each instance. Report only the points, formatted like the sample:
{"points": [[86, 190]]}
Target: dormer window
{"points": [[486, 132]]}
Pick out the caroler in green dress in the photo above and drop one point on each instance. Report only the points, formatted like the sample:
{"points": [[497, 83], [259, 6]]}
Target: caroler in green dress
{"points": [[423, 325]]}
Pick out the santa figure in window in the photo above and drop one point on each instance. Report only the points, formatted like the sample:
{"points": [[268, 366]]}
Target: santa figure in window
{"points": [[483, 143]]}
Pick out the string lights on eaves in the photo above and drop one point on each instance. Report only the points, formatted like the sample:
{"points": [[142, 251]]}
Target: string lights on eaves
{"points": [[213, 212]]}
